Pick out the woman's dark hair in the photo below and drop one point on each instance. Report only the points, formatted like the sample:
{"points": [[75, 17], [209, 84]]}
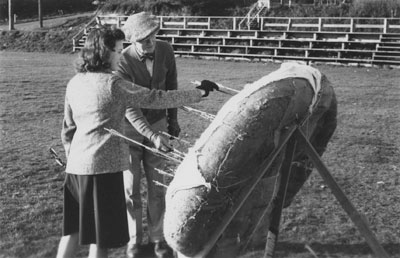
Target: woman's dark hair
{"points": [[94, 56]]}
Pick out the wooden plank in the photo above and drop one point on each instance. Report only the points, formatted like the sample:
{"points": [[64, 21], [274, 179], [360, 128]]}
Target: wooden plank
{"points": [[367, 53], [198, 23], [330, 25], [280, 57], [275, 25], [275, 218], [305, 25], [369, 26], [171, 23]]}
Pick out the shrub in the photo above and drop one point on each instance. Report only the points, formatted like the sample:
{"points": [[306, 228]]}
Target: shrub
{"points": [[29, 8], [375, 8], [177, 7]]}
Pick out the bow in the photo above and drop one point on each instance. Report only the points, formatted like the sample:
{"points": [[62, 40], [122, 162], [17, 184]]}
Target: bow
{"points": [[145, 56]]}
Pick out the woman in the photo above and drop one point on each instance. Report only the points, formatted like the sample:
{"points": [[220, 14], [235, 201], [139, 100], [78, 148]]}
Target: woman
{"points": [[94, 201]]}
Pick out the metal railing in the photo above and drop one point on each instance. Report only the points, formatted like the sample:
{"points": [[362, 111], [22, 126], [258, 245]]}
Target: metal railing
{"points": [[254, 14], [77, 37]]}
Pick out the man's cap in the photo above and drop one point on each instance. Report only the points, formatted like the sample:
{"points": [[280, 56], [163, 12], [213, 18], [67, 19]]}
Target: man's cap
{"points": [[140, 25]]}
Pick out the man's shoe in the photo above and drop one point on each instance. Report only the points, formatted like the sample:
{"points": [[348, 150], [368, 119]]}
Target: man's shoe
{"points": [[135, 251], [162, 250]]}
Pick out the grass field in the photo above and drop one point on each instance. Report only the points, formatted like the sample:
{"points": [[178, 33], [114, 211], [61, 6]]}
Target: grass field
{"points": [[364, 156]]}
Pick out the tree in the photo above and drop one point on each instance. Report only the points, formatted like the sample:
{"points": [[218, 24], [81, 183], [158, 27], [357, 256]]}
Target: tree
{"points": [[40, 13], [10, 15]]}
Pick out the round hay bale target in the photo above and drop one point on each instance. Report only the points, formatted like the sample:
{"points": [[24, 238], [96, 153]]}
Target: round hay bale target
{"points": [[228, 154]]}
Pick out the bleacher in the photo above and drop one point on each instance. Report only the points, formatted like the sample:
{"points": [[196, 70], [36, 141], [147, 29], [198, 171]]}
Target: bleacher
{"points": [[368, 41]]}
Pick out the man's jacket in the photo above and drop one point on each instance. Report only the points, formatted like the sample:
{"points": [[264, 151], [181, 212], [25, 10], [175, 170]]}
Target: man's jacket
{"points": [[132, 69]]}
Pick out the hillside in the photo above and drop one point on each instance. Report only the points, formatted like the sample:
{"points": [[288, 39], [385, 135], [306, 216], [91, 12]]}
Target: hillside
{"points": [[56, 38]]}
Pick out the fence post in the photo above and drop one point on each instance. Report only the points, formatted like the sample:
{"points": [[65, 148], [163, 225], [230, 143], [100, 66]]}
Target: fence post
{"points": [[320, 24], [119, 22], [10, 15], [248, 21], [234, 23], [40, 13], [385, 25], [352, 25], [262, 23], [184, 22], [209, 23], [289, 25]]}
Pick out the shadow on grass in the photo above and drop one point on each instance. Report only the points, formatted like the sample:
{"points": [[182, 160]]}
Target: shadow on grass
{"points": [[286, 248]]}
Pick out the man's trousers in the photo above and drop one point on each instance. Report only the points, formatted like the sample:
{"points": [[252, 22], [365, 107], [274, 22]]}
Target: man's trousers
{"points": [[144, 161]]}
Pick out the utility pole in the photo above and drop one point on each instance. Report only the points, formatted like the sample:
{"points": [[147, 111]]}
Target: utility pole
{"points": [[10, 16], [40, 13]]}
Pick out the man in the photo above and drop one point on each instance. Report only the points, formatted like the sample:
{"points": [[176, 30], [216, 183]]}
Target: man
{"points": [[150, 63]]}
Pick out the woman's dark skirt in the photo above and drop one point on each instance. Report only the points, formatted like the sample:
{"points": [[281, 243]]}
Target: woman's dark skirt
{"points": [[94, 207]]}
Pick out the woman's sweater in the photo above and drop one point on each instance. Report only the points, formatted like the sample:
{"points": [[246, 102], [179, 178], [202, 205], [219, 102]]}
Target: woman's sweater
{"points": [[95, 101]]}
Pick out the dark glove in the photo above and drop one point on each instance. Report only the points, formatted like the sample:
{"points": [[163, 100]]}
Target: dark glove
{"points": [[173, 127], [207, 86]]}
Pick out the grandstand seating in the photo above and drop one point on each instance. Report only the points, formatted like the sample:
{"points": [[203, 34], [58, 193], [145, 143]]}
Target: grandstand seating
{"points": [[338, 40]]}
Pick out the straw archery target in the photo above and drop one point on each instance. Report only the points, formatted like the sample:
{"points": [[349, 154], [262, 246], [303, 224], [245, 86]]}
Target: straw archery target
{"points": [[229, 152]]}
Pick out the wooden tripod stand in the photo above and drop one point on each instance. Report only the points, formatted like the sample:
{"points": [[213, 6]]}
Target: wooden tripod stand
{"points": [[359, 220], [291, 138]]}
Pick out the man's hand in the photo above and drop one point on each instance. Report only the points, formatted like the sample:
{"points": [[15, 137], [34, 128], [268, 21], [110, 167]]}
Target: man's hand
{"points": [[173, 127], [161, 143], [207, 86]]}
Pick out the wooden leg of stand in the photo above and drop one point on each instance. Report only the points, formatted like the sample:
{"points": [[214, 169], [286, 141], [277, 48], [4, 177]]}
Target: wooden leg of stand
{"points": [[358, 220], [273, 230], [266, 164]]}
